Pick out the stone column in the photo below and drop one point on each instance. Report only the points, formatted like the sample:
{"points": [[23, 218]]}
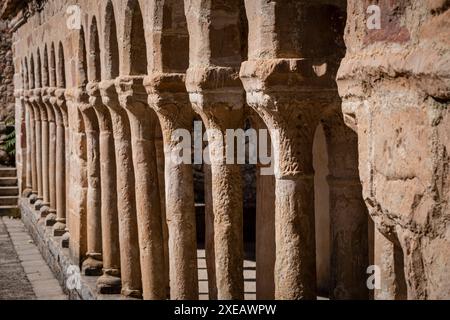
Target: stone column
{"points": [[221, 108], [32, 146], [169, 99], [126, 202], [292, 115], [76, 222], [21, 127], [29, 122], [59, 106], [51, 216], [38, 149], [348, 212], [133, 99], [92, 266], [109, 282], [44, 209]]}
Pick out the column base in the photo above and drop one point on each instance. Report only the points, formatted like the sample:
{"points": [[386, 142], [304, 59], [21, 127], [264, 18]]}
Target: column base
{"points": [[38, 204], [44, 211], [109, 283], [33, 198], [27, 193], [59, 228], [50, 220], [92, 266], [137, 294], [65, 238]]}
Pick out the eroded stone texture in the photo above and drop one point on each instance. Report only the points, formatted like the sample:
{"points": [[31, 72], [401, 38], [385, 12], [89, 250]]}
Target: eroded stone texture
{"points": [[395, 92]]}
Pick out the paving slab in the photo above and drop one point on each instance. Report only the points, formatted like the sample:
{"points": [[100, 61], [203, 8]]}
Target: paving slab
{"points": [[24, 274]]}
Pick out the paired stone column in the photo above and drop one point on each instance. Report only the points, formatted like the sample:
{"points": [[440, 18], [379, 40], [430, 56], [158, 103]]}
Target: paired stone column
{"points": [[44, 206], [292, 115], [34, 100], [126, 201], [109, 282], [92, 266], [29, 123], [168, 97], [142, 120], [32, 146], [77, 100], [59, 106], [51, 169], [348, 212], [222, 108]]}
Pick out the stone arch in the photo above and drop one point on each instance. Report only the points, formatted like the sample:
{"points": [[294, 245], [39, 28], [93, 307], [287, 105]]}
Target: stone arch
{"points": [[111, 56], [135, 48], [61, 70], [52, 69], [45, 71], [94, 64]]}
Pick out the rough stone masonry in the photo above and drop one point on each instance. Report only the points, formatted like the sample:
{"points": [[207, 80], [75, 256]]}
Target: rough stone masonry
{"points": [[101, 87], [6, 74]]}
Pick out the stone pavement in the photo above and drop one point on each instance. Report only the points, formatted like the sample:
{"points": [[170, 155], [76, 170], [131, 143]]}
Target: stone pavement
{"points": [[23, 272]]}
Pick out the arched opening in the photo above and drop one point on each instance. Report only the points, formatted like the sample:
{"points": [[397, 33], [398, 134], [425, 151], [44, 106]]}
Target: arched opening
{"points": [[26, 84], [31, 71], [174, 38], [45, 73], [228, 33], [38, 70], [134, 40], [61, 72], [94, 53], [112, 61], [82, 69], [52, 70]]}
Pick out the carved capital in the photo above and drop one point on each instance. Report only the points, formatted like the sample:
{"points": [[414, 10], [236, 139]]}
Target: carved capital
{"points": [[109, 94]]}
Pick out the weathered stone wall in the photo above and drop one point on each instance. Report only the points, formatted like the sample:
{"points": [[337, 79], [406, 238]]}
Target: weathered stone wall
{"points": [[395, 85], [6, 74]]}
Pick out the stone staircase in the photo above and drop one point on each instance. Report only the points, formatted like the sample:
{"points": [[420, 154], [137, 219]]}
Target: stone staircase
{"points": [[9, 193]]}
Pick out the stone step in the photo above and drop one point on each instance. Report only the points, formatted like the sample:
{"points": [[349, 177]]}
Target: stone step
{"points": [[8, 200], [8, 182], [9, 211], [8, 172], [9, 191]]}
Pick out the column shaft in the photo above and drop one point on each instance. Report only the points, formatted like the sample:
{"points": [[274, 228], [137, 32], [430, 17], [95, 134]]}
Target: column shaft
{"points": [[179, 197], [28, 178], [92, 266], [110, 281], [60, 109], [126, 202]]}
